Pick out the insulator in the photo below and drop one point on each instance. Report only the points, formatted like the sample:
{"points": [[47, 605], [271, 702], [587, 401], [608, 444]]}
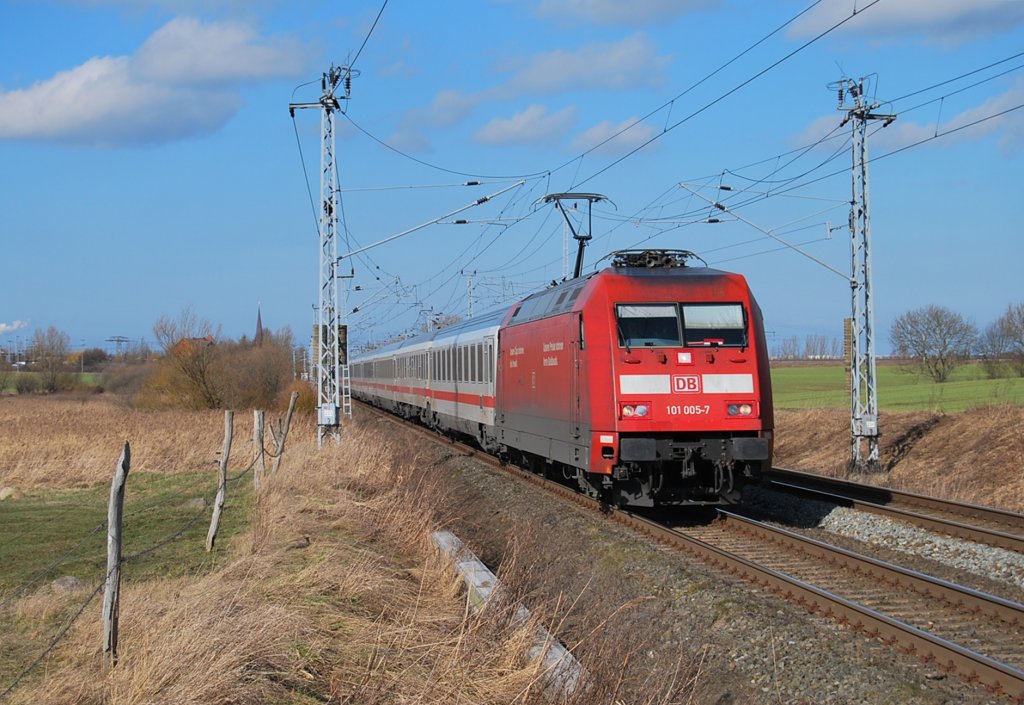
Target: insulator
{"points": [[840, 95], [348, 83]]}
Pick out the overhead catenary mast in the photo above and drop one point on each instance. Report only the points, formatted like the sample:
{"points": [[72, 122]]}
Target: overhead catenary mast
{"points": [[864, 453], [330, 353]]}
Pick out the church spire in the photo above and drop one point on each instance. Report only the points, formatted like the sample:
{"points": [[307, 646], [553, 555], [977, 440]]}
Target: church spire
{"points": [[258, 338]]}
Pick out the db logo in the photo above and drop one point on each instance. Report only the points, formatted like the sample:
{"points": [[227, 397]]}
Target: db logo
{"points": [[686, 384]]}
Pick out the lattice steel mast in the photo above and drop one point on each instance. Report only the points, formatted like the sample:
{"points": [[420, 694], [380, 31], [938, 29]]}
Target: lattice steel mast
{"points": [[864, 455], [329, 351]]}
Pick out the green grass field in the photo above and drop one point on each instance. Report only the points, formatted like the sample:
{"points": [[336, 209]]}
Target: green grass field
{"points": [[88, 379], [43, 525], [899, 389]]}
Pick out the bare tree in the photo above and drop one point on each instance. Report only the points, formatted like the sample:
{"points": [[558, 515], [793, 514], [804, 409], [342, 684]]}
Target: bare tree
{"points": [[1011, 328], [994, 348], [48, 352], [937, 338], [815, 347], [190, 351], [835, 349], [789, 348]]}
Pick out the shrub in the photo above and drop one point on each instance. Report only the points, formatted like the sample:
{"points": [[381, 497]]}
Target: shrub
{"points": [[305, 405], [26, 383], [127, 379]]}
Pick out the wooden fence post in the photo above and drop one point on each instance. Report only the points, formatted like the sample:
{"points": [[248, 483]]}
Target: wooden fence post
{"points": [[282, 432], [112, 589], [218, 503], [260, 464]]}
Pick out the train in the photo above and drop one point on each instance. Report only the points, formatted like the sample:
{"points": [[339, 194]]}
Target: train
{"points": [[642, 384]]}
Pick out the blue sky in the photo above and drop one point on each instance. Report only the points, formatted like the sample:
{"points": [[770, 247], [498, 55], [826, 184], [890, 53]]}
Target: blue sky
{"points": [[148, 161]]}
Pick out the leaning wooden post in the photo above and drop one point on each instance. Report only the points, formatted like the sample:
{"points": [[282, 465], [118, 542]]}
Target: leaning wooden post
{"points": [[112, 589], [282, 433], [218, 503], [260, 464]]}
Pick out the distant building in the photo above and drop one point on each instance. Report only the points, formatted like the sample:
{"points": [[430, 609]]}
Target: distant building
{"points": [[186, 346], [258, 338]]}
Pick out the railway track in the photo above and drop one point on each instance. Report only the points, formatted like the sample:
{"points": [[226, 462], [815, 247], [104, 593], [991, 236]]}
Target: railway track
{"points": [[977, 636], [993, 527]]}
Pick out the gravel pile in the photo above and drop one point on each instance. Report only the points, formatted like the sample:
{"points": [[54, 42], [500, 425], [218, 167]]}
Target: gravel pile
{"points": [[987, 561], [740, 644]]}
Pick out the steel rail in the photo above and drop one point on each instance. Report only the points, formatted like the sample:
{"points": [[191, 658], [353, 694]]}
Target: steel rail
{"points": [[947, 655], [972, 666], [976, 668], [898, 504], [974, 601]]}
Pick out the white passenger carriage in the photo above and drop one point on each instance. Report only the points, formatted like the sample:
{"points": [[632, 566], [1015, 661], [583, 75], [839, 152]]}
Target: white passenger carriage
{"points": [[445, 377]]}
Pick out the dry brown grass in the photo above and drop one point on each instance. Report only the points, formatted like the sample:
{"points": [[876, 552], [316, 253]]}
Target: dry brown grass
{"points": [[54, 442], [335, 595], [974, 456]]}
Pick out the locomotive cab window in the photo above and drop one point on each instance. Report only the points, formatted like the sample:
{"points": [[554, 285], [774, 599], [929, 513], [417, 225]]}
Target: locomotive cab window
{"points": [[647, 325], [714, 324]]}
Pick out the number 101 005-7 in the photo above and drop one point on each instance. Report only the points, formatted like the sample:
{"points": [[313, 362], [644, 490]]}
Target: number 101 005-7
{"points": [[688, 409]]}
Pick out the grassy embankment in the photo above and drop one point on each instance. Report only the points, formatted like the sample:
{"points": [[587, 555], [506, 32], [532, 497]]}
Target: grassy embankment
{"points": [[963, 439]]}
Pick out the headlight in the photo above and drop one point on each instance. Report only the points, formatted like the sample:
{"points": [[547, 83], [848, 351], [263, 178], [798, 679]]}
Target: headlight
{"points": [[635, 410], [742, 409]]}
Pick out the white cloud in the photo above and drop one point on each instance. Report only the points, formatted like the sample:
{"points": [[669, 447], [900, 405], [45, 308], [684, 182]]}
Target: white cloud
{"points": [[617, 12], [605, 65], [532, 126], [186, 50], [198, 6], [943, 21], [409, 141], [6, 328], [633, 137], [175, 86], [1008, 129], [602, 66], [448, 107]]}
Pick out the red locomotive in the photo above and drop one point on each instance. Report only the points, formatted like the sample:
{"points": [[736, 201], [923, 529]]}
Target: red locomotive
{"points": [[645, 383]]}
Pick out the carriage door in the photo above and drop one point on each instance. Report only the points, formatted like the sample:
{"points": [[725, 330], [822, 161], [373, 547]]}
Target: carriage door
{"points": [[574, 378]]}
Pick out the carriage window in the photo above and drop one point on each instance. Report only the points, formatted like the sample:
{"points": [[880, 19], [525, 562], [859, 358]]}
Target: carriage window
{"points": [[647, 325], [714, 324]]}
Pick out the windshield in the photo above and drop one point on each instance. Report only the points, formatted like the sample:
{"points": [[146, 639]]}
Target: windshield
{"points": [[658, 325], [714, 324], [648, 325]]}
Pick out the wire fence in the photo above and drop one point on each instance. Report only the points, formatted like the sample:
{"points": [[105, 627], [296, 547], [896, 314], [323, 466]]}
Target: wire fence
{"points": [[161, 501]]}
